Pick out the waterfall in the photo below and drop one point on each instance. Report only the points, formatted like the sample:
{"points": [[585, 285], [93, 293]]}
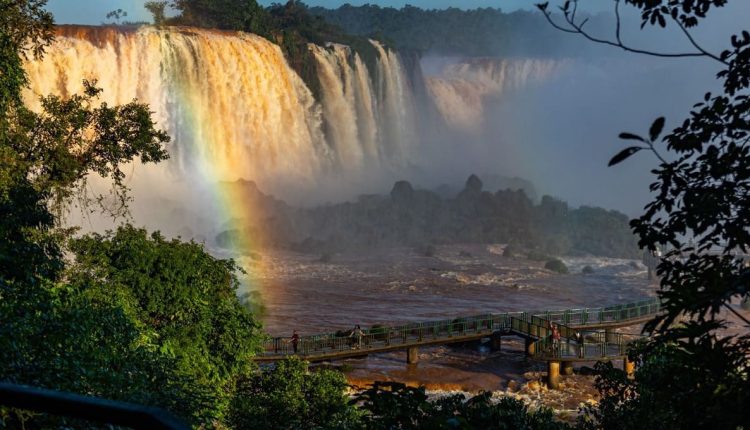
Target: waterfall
{"points": [[460, 89], [368, 120], [236, 109], [232, 104]]}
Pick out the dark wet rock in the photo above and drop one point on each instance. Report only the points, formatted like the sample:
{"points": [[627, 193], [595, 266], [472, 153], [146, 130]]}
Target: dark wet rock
{"points": [[402, 193], [556, 265]]}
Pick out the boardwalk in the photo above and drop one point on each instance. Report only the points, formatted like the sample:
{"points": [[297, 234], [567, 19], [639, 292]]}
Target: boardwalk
{"points": [[533, 326]]}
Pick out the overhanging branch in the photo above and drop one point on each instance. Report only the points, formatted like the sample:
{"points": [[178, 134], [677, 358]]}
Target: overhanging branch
{"points": [[577, 28]]}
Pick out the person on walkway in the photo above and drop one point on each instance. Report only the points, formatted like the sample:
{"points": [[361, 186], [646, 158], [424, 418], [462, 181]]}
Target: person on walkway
{"points": [[555, 337], [357, 334], [579, 341], [295, 341]]}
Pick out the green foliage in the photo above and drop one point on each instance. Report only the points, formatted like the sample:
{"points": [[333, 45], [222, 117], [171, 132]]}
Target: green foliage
{"points": [[289, 396], [57, 337], [556, 265], [667, 383], [73, 329], [157, 10], [389, 405], [452, 31], [244, 15], [692, 375], [178, 291], [25, 30]]}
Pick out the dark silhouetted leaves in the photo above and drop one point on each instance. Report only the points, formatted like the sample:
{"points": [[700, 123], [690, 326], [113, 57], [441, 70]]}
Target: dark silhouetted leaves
{"points": [[624, 154], [656, 127]]}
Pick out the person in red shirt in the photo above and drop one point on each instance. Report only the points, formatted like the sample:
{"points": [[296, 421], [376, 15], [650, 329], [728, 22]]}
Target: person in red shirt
{"points": [[555, 337]]}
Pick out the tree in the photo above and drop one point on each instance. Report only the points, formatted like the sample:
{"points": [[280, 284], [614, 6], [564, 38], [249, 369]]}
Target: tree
{"points": [[51, 334], [244, 15], [157, 9], [701, 210], [389, 405], [185, 298], [289, 396]]}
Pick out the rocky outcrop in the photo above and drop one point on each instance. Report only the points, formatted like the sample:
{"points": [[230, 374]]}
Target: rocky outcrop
{"points": [[418, 218]]}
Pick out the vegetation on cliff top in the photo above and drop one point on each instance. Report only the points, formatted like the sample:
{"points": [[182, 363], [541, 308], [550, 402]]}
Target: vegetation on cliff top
{"points": [[289, 25], [409, 217]]}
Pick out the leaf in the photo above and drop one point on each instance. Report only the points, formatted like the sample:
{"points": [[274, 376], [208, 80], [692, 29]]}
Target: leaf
{"points": [[623, 155], [631, 136], [656, 128]]}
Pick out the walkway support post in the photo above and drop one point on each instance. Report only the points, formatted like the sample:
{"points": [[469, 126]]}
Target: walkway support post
{"points": [[628, 366], [496, 341], [553, 374], [412, 355], [567, 368], [530, 347]]}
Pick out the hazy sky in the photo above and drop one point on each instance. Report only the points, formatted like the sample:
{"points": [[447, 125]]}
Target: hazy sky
{"points": [[94, 11]]}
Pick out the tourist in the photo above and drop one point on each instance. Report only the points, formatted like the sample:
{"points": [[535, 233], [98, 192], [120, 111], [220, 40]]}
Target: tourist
{"points": [[555, 337], [579, 341], [357, 334], [295, 341]]}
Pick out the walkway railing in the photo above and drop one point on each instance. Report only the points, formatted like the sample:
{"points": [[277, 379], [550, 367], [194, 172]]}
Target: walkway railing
{"points": [[87, 408], [532, 324]]}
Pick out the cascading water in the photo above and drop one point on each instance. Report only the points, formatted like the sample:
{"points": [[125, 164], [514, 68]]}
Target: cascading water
{"points": [[459, 89], [232, 105], [236, 110]]}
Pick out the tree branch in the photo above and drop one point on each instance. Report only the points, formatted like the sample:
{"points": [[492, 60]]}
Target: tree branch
{"points": [[726, 305], [576, 28], [695, 44]]}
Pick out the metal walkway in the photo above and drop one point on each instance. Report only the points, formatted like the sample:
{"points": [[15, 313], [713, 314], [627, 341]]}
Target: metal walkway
{"points": [[533, 326]]}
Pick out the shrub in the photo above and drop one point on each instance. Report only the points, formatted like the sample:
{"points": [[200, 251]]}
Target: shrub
{"points": [[289, 395]]}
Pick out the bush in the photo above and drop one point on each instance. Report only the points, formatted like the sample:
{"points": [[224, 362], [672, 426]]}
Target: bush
{"points": [[587, 270], [290, 396], [389, 405], [556, 265]]}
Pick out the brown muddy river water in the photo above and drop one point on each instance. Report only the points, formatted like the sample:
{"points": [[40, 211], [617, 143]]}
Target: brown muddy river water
{"points": [[302, 293]]}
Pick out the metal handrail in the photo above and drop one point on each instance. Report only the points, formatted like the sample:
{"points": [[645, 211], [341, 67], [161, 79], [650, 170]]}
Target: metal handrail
{"points": [[87, 408], [418, 332]]}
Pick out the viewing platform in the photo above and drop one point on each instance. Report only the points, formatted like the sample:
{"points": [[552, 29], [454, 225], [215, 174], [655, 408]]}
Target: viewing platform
{"points": [[603, 344]]}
